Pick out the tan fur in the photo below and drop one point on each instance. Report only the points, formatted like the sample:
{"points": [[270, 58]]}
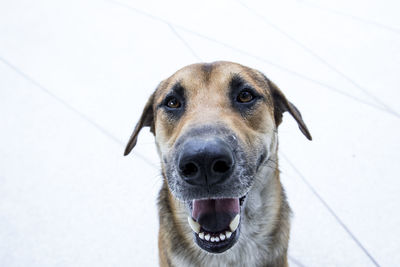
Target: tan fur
{"points": [[265, 231], [208, 103]]}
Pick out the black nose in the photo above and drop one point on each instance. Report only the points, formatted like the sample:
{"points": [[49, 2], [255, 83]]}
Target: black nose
{"points": [[205, 162]]}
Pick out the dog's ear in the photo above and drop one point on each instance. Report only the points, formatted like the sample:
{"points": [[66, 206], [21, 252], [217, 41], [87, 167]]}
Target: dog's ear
{"points": [[146, 120], [281, 104]]}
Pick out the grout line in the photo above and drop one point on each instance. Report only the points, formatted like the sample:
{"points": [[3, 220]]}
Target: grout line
{"points": [[71, 108], [116, 140], [184, 42], [330, 210], [302, 76], [294, 73], [318, 57], [360, 19]]}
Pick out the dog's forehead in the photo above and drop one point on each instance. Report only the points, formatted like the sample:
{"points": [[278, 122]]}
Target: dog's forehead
{"points": [[206, 72], [212, 75]]}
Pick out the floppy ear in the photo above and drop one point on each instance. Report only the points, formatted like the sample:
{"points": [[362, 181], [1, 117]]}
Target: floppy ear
{"points": [[281, 104], [146, 120]]}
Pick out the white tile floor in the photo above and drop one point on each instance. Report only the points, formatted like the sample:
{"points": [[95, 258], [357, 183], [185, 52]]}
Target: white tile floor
{"points": [[73, 79]]}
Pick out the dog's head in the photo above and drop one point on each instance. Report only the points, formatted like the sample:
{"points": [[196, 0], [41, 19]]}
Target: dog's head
{"points": [[215, 125]]}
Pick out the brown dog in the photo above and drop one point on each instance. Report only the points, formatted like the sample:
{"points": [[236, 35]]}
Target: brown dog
{"points": [[222, 203]]}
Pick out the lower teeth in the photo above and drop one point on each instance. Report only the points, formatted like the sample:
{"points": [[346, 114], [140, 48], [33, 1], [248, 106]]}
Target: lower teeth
{"points": [[215, 237]]}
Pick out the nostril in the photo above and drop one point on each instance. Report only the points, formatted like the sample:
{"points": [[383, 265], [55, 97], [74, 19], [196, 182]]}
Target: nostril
{"points": [[190, 169], [221, 166], [205, 162]]}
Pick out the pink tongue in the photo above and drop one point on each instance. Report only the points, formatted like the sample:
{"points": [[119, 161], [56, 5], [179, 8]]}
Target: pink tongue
{"points": [[212, 206]]}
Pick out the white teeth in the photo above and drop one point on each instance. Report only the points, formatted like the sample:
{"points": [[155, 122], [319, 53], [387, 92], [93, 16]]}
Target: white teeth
{"points": [[228, 234], [201, 235], [234, 223], [194, 225], [222, 237], [207, 237]]}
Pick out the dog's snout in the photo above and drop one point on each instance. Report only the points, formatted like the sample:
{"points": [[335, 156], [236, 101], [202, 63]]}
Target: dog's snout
{"points": [[205, 162]]}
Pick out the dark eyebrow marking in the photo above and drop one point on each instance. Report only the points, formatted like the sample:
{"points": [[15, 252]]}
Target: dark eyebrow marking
{"points": [[237, 82], [178, 89]]}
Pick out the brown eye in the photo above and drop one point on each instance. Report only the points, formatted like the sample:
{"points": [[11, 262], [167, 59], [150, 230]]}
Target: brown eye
{"points": [[173, 103], [245, 97]]}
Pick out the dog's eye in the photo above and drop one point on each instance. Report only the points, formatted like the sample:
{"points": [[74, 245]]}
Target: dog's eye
{"points": [[173, 102], [245, 96]]}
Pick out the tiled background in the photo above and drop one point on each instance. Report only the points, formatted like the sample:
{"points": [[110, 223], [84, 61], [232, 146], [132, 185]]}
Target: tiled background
{"points": [[74, 76]]}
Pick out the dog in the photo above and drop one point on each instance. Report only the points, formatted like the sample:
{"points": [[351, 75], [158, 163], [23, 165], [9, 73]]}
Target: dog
{"points": [[221, 202]]}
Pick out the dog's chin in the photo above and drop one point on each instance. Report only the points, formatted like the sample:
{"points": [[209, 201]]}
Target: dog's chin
{"points": [[225, 229]]}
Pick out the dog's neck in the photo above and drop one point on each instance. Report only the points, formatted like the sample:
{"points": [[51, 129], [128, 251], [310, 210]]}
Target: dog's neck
{"points": [[264, 228]]}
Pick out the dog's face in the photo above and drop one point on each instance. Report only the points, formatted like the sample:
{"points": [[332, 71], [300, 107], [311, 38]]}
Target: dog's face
{"points": [[215, 125]]}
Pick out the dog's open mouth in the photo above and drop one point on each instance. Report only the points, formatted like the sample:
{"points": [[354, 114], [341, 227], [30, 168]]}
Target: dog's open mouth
{"points": [[216, 223]]}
